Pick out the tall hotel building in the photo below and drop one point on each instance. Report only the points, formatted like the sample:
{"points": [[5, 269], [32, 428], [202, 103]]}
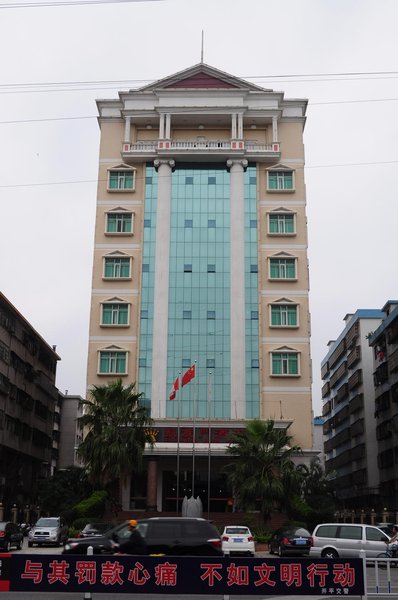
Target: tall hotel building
{"points": [[201, 259]]}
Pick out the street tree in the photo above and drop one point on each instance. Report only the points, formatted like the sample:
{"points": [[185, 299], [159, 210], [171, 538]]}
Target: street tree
{"points": [[262, 472]]}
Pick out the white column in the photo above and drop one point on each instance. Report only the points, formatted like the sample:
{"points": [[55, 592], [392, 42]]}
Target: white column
{"points": [[168, 127], [233, 127], [274, 129], [238, 347], [240, 126], [127, 130], [161, 126], [161, 289]]}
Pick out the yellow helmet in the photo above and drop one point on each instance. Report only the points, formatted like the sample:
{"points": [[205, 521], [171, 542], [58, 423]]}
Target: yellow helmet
{"points": [[133, 523]]}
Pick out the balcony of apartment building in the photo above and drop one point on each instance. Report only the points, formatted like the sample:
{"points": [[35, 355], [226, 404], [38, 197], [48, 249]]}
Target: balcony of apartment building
{"points": [[210, 137]]}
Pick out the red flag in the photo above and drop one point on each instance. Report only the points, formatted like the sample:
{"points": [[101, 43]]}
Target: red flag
{"points": [[173, 390], [188, 376]]}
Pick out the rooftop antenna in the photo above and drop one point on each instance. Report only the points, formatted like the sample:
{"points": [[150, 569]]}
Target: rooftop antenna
{"points": [[201, 51]]}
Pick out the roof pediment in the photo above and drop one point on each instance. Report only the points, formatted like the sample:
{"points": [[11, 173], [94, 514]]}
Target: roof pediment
{"points": [[202, 76]]}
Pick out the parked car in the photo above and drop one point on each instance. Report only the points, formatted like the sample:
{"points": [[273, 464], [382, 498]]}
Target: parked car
{"points": [[10, 535], [290, 540], [94, 529], [237, 539], [163, 535], [334, 540], [386, 528], [49, 531]]}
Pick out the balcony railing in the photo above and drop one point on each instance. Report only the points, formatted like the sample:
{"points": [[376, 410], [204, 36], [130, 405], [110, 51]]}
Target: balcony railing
{"points": [[195, 146]]}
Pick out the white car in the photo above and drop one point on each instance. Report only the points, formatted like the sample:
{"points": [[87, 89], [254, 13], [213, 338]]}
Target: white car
{"points": [[237, 539]]}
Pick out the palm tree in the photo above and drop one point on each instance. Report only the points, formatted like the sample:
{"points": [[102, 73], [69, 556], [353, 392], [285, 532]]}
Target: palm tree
{"points": [[115, 423], [317, 492], [263, 470]]}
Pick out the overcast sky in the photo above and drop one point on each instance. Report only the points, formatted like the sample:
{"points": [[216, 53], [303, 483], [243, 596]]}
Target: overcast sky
{"points": [[56, 60]]}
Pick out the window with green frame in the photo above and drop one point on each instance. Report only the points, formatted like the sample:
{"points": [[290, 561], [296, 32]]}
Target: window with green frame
{"points": [[117, 267], [119, 222], [281, 223], [115, 313], [282, 268], [284, 315], [284, 363], [111, 362], [121, 180], [280, 180]]}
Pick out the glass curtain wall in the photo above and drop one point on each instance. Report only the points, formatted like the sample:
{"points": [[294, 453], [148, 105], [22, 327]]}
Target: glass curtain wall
{"points": [[251, 295], [199, 300], [199, 291]]}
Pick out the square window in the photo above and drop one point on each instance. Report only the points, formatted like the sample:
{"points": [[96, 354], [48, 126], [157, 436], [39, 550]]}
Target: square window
{"points": [[112, 363], [284, 363], [211, 180], [253, 268], [211, 223], [211, 268], [188, 223], [117, 268], [211, 314], [187, 268], [122, 180], [252, 180], [145, 268], [280, 181], [119, 223], [255, 363], [254, 315], [188, 180], [114, 314], [186, 362], [147, 222], [253, 223], [284, 315], [281, 223], [282, 268], [144, 314], [142, 362], [148, 180], [187, 314], [210, 363]]}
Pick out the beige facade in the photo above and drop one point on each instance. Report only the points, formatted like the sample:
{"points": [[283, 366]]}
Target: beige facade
{"points": [[204, 117]]}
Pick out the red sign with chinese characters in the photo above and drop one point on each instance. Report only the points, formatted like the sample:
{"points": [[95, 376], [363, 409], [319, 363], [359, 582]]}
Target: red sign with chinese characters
{"points": [[185, 575]]}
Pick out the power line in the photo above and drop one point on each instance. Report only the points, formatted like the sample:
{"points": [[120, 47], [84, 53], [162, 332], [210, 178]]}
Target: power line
{"points": [[76, 182], [45, 119], [16, 121], [104, 84], [67, 3]]}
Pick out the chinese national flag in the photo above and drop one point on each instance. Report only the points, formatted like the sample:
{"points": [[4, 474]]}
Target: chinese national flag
{"points": [[188, 376], [173, 390]]}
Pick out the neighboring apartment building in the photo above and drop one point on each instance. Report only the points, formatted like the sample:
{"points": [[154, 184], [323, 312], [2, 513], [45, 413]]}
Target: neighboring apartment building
{"points": [[200, 259], [348, 408], [384, 344], [71, 432], [28, 400]]}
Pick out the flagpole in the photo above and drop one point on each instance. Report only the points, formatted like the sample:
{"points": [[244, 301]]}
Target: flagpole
{"points": [[194, 432], [178, 392], [209, 447]]}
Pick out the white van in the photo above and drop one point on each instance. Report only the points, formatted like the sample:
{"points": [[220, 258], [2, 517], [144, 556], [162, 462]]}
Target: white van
{"points": [[334, 540]]}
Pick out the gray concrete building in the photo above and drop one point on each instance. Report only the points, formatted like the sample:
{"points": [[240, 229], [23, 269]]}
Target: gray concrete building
{"points": [[28, 399], [348, 408]]}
